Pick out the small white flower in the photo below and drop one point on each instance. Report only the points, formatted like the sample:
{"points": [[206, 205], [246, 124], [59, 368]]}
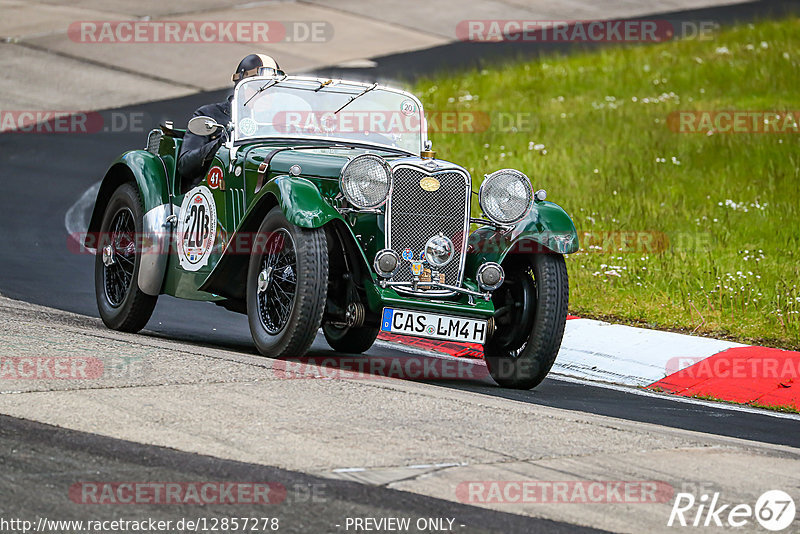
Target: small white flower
{"points": [[596, 171], [722, 50], [764, 45]]}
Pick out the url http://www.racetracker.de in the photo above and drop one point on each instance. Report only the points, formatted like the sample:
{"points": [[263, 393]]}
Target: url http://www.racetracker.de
{"points": [[45, 525]]}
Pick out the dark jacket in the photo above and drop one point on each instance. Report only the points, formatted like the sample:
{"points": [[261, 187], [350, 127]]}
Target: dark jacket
{"points": [[197, 151]]}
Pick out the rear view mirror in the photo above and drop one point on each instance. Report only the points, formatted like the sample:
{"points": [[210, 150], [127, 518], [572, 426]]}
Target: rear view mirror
{"points": [[203, 126]]}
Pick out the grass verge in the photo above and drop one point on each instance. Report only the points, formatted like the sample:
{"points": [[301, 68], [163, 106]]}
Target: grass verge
{"points": [[696, 232]]}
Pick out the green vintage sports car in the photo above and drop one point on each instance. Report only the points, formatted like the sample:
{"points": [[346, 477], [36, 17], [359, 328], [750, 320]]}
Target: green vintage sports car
{"points": [[326, 207]]}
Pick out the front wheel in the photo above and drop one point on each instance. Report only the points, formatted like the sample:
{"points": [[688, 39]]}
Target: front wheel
{"points": [[531, 316], [287, 283], [351, 340], [122, 305]]}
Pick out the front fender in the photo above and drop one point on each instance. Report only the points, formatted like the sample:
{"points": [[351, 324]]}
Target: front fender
{"points": [[546, 228], [139, 166], [302, 204], [301, 201], [148, 173]]}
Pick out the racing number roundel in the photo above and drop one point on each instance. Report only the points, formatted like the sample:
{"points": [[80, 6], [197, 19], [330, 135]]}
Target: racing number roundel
{"points": [[197, 229], [215, 177]]}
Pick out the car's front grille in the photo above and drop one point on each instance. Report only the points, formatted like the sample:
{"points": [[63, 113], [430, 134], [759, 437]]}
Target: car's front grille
{"points": [[414, 215]]}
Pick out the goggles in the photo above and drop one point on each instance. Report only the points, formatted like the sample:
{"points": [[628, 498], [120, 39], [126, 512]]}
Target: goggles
{"points": [[258, 71]]}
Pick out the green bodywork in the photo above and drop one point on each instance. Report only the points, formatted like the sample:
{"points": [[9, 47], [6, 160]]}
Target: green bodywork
{"points": [[309, 200], [546, 228]]}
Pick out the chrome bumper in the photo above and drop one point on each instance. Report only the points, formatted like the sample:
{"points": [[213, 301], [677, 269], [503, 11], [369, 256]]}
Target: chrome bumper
{"points": [[413, 286]]}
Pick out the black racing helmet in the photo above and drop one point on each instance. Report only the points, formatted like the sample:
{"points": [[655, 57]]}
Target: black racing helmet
{"points": [[256, 65]]}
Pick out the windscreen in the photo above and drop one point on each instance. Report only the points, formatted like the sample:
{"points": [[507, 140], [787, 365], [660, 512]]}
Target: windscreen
{"points": [[337, 111]]}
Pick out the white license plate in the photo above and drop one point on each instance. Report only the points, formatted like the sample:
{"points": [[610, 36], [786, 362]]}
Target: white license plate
{"points": [[434, 326]]}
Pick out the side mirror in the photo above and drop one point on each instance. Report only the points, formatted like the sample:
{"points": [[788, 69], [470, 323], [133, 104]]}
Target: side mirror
{"points": [[204, 126]]}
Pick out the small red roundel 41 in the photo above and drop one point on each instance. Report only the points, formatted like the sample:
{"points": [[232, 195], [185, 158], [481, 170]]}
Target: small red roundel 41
{"points": [[215, 178]]}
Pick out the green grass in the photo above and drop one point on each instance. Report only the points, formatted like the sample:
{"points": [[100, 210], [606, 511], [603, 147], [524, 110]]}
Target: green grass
{"points": [[788, 408], [728, 204]]}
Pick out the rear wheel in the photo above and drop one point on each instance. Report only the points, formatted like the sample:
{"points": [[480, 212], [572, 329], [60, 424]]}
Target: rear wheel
{"points": [[351, 340], [532, 313], [286, 286], [122, 305]]}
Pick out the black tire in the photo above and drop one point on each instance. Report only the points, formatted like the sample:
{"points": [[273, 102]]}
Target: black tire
{"points": [[524, 346], [350, 340], [122, 305], [285, 315]]}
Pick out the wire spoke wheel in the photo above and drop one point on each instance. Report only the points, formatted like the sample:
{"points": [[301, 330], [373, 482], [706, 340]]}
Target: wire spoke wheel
{"points": [[277, 281], [121, 302], [119, 257], [287, 281]]}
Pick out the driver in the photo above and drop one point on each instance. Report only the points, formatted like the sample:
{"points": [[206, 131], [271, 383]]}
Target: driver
{"points": [[197, 151]]}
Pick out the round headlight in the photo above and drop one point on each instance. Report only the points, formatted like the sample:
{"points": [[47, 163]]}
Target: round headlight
{"points": [[386, 263], [505, 196], [366, 180], [439, 250], [490, 276]]}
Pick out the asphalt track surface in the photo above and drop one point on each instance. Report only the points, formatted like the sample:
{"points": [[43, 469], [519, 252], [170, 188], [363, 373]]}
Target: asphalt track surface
{"points": [[43, 175], [41, 462]]}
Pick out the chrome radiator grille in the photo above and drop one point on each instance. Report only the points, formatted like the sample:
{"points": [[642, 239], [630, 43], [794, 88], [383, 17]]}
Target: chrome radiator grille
{"points": [[154, 141], [414, 215]]}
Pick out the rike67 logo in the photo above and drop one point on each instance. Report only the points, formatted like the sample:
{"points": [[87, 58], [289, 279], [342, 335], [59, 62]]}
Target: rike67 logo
{"points": [[774, 510]]}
